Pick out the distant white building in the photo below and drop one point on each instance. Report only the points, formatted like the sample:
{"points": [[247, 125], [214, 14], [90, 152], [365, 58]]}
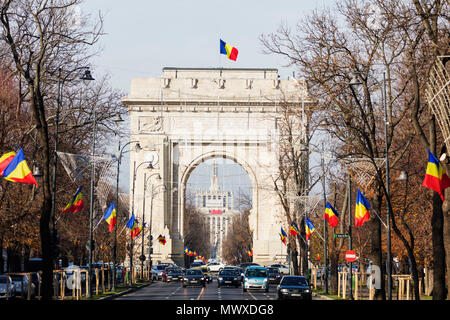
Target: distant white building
{"points": [[217, 206]]}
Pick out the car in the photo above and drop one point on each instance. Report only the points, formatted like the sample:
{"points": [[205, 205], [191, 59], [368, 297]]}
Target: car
{"points": [[7, 288], [228, 277], [283, 269], [199, 265], [255, 277], [238, 269], [294, 287], [159, 270], [21, 285], [274, 275], [215, 266], [172, 274], [193, 277]]}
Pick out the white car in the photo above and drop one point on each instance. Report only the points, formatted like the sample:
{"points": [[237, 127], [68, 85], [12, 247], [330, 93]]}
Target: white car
{"points": [[215, 266], [283, 269]]}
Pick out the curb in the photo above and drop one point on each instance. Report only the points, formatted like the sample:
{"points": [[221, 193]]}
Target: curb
{"points": [[112, 296]]}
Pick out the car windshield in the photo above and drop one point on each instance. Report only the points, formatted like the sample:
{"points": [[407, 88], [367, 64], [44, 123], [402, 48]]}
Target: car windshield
{"points": [[160, 267], [294, 281], [3, 280], [17, 278], [272, 270], [194, 273], [173, 270], [196, 264], [228, 272], [256, 273]]}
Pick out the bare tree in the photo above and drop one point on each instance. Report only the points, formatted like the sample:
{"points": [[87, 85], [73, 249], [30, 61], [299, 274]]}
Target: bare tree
{"points": [[40, 36]]}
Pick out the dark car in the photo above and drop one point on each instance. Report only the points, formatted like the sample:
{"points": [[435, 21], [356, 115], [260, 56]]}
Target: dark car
{"points": [[274, 275], [247, 264], [239, 270], [294, 287], [172, 274], [194, 277], [228, 277]]}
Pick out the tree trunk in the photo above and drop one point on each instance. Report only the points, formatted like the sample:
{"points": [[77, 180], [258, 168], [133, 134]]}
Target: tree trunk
{"points": [[437, 237]]}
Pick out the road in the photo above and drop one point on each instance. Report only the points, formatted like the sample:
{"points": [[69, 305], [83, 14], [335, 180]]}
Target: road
{"points": [[174, 291]]}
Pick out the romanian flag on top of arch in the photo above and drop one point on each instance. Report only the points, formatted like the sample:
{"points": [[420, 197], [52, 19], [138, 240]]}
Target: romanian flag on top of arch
{"points": [[110, 217], [435, 177], [76, 204], [361, 210], [230, 51], [17, 169]]}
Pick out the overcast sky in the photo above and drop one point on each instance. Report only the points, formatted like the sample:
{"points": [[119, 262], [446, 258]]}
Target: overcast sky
{"points": [[144, 36]]}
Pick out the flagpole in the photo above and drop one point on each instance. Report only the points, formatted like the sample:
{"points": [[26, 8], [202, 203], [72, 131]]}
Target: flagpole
{"points": [[350, 228], [325, 276]]}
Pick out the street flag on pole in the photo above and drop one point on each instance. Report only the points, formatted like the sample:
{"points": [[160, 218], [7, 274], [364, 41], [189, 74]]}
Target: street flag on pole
{"points": [[283, 236], [76, 204], [137, 230], [331, 215], [230, 51], [435, 177], [17, 170], [5, 160], [309, 226], [361, 210], [293, 229], [162, 240], [110, 217]]}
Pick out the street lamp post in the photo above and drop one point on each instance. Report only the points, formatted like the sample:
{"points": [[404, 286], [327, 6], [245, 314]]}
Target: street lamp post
{"points": [[355, 81], [119, 160], [142, 258], [135, 169], [87, 77]]}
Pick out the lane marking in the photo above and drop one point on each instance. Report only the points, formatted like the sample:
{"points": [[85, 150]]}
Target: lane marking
{"points": [[201, 293]]}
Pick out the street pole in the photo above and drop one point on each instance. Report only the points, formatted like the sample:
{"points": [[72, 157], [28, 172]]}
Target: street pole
{"points": [[117, 213], [388, 213], [350, 229], [325, 262], [91, 209], [55, 162], [142, 257]]}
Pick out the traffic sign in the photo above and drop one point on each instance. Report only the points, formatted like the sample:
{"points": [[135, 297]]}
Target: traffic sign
{"points": [[340, 235], [350, 256]]}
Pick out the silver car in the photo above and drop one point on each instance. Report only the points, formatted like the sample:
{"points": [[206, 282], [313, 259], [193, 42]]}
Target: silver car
{"points": [[4, 280]]}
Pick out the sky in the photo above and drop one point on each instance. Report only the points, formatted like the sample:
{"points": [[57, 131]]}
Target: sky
{"points": [[144, 36]]}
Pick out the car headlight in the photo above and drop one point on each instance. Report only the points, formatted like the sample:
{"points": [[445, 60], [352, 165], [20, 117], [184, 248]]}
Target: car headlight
{"points": [[284, 290], [202, 278], [220, 278], [307, 290], [265, 280], [185, 279], [235, 278]]}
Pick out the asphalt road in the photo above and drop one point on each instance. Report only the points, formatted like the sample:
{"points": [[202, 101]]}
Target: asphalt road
{"points": [[174, 291]]}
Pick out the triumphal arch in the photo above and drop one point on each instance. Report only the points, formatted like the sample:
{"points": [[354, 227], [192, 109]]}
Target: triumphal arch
{"points": [[190, 115]]}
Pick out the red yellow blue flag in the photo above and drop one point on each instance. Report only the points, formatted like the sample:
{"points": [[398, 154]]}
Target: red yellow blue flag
{"points": [[5, 160], [230, 51], [361, 210], [137, 230], [162, 240], [331, 215], [76, 204], [309, 228], [435, 177], [293, 229], [283, 236], [17, 170], [110, 217]]}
